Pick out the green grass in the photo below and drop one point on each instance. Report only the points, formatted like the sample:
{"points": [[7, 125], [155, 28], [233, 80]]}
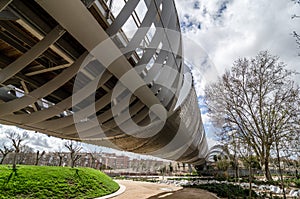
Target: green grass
{"points": [[54, 182], [294, 182]]}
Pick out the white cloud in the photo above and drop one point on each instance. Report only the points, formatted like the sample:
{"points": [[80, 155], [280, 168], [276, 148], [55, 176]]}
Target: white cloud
{"points": [[230, 29], [205, 118], [39, 141], [223, 31], [211, 142], [242, 29]]}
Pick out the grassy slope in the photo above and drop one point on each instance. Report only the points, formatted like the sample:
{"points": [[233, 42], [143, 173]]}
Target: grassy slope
{"points": [[54, 182]]}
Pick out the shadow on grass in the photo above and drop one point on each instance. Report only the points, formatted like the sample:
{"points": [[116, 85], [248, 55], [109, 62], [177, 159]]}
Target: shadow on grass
{"points": [[13, 173], [77, 174]]}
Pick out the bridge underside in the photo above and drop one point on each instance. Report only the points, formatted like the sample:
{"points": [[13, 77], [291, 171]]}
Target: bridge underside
{"points": [[67, 69]]}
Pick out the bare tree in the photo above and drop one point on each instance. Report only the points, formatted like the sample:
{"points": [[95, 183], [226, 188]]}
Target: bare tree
{"points": [[74, 150], [260, 100], [5, 150], [249, 162], [25, 150], [297, 37], [94, 157], [16, 139], [38, 157], [295, 34], [277, 149], [60, 156]]}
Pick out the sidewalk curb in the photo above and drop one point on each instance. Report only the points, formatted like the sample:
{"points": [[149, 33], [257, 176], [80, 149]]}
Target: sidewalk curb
{"points": [[119, 192]]}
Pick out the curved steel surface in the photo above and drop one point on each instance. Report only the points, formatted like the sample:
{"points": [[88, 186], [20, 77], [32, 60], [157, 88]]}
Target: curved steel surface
{"points": [[80, 70]]}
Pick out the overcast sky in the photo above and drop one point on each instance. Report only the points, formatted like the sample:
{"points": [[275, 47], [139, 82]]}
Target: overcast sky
{"points": [[227, 30], [223, 31]]}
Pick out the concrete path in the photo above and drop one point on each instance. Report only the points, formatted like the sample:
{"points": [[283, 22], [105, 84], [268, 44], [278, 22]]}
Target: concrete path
{"points": [[146, 190], [119, 192]]}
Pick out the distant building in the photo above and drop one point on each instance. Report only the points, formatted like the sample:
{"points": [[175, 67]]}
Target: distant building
{"points": [[103, 161]]}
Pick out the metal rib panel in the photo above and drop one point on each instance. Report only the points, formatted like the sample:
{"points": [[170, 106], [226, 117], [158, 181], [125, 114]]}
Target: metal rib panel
{"points": [[105, 121]]}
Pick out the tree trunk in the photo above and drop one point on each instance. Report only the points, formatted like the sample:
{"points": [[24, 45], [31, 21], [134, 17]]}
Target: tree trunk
{"points": [[267, 170], [3, 157], [14, 161], [236, 171], [93, 162], [72, 163], [280, 170], [37, 158], [250, 179]]}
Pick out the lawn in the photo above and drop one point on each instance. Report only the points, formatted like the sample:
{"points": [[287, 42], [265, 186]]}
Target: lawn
{"points": [[54, 182]]}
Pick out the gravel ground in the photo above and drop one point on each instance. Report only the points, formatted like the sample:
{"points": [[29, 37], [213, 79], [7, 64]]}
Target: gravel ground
{"points": [[146, 190]]}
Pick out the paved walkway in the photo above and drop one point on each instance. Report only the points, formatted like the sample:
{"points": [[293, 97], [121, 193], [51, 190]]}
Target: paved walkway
{"points": [[146, 190]]}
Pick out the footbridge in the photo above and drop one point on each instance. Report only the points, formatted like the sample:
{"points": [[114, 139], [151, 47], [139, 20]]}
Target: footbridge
{"points": [[109, 73]]}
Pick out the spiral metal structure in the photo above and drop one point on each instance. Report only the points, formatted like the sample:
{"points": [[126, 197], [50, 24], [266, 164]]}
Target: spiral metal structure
{"points": [[69, 70]]}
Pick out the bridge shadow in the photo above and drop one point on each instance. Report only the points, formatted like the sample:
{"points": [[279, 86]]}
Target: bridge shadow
{"points": [[185, 193], [164, 195]]}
